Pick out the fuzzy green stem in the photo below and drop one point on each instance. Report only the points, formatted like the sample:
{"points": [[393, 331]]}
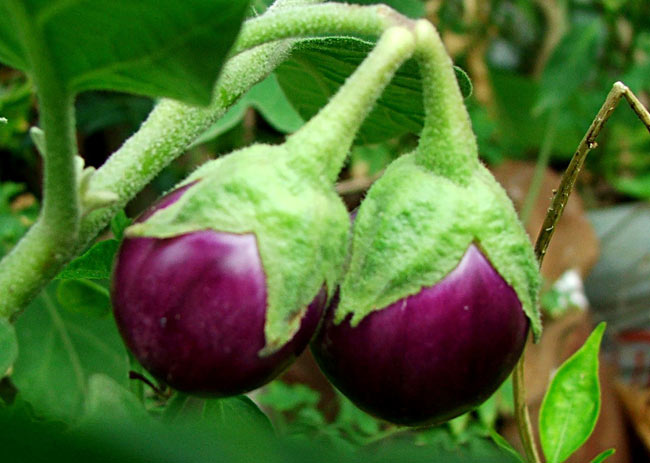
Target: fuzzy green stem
{"points": [[169, 130], [171, 126], [324, 142], [447, 144], [332, 19], [41, 252]]}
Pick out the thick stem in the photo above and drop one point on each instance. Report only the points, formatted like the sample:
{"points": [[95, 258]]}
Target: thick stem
{"points": [[51, 243], [323, 143], [303, 21], [39, 255], [169, 130], [447, 144]]}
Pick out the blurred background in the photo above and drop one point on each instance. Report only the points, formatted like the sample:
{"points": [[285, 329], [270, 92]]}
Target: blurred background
{"points": [[540, 71]]}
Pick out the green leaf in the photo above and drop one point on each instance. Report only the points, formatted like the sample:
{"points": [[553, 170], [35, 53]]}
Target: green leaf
{"points": [[519, 131], [234, 413], [602, 456], [572, 402], [269, 99], [84, 296], [59, 352], [318, 67], [505, 445], [109, 400], [570, 65], [149, 47], [8, 346], [94, 264]]}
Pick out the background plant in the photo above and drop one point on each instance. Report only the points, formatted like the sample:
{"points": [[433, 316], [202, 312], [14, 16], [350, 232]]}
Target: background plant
{"points": [[68, 321]]}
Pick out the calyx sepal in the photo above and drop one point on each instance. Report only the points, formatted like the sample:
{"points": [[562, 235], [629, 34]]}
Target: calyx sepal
{"points": [[301, 227], [415, 226]]}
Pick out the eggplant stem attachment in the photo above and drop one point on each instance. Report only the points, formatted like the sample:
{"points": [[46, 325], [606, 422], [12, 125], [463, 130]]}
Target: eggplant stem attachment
{"points": [[553, 215]]}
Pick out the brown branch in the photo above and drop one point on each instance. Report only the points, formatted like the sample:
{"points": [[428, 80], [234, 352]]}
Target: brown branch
{"points": [[561, 196], [560, 199]]}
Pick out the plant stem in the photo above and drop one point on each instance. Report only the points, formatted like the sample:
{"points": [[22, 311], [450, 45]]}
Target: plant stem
{"points": [[522, 415], [447, 143], [303, 21], [560, 199], [324, 141], [58, 235], [42, 251], [169, 129]]}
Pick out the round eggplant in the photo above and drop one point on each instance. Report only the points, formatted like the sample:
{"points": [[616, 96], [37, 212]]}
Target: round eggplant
{"points": [[192, 309], [430, 356]]}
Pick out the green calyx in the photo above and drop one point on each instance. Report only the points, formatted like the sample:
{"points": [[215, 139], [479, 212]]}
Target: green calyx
{"points": [[414, 227], [418, 220], [301, 227], [285, 196]]}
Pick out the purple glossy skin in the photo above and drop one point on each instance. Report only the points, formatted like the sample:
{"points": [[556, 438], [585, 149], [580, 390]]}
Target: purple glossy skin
{"points": [[431, 356], [192, 309]]}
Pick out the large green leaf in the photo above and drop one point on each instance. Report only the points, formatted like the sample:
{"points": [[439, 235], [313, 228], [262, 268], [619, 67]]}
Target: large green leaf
{"points": [[572, 402], [150, 47], [318, 67], [59, 352]]}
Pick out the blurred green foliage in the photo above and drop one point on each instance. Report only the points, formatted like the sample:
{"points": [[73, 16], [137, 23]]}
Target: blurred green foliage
{"points": [[540, 73]]}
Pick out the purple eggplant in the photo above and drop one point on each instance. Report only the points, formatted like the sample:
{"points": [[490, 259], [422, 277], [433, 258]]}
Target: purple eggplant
{"points": [[430, 356], [192, 310]]}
